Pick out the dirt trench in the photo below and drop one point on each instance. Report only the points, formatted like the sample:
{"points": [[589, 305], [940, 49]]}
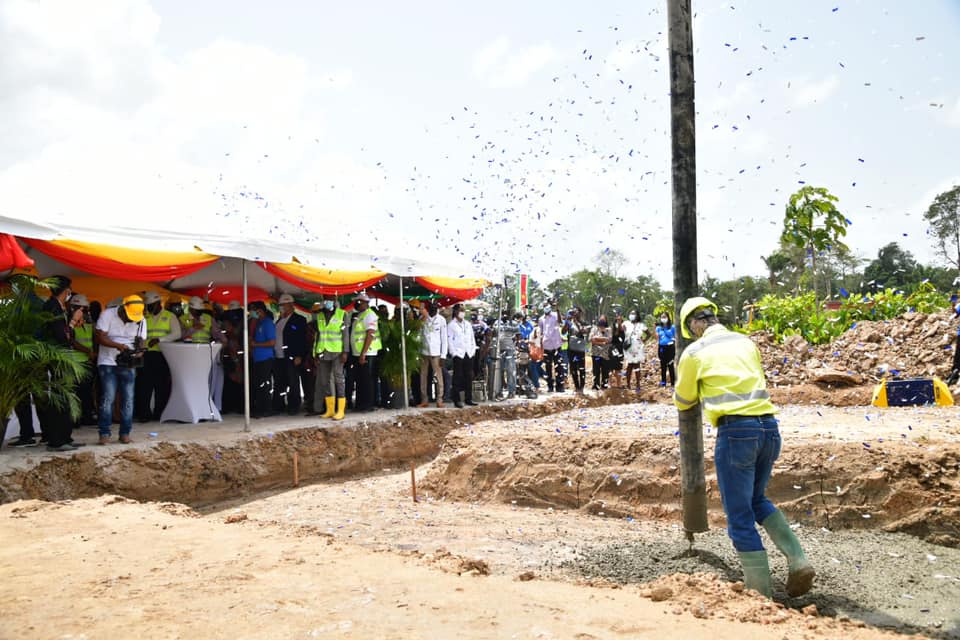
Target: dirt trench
{"points": [[197, 473], [836, 485]]}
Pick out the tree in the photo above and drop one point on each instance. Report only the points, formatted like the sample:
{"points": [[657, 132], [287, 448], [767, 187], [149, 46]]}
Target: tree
{"points": [[776, 263], [813, 223], [893, 268], [944, 218], [610, 261], [30, 366]]}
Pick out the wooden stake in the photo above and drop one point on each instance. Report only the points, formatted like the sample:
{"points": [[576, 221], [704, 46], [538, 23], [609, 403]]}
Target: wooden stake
{"points": [[296, 469], [413, 481]]}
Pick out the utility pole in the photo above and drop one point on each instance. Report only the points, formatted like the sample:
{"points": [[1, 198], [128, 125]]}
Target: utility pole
{"points": [[684, 169]]}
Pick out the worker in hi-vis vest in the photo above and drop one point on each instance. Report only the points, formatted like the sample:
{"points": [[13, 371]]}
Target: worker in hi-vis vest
{"points": [[330, 350], [153, 381], [197, 324], [364, 347], [723, 372], [83, 342]]}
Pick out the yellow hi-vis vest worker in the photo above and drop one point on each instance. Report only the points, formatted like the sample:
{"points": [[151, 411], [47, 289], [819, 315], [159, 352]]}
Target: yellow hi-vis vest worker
{"points": [[199, 335], [360, 333], [722, 370], [330, 335], [159, 326], [84, 335]]}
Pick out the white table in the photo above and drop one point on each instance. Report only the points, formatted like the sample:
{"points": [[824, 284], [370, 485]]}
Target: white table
{"points": [[197, 381]]}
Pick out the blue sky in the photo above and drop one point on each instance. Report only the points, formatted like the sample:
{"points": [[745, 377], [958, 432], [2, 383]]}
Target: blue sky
{"points": [[525, 137]]}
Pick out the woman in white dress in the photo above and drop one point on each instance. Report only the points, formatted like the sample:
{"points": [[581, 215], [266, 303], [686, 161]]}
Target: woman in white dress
{"points": [[634, 335]]}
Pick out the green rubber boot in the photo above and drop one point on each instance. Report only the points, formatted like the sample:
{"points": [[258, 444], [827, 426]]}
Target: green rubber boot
{"points": [[801, 573], [756, 571]]}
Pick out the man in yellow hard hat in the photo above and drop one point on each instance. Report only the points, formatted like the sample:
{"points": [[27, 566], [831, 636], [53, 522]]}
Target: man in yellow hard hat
{"points": [[722, 371], [122, 335]]}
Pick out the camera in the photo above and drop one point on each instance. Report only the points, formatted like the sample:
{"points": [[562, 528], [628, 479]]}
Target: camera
{"points": [[132, 358]]}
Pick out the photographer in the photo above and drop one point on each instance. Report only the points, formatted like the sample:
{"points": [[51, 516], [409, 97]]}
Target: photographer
{"points": [[121, 334]]}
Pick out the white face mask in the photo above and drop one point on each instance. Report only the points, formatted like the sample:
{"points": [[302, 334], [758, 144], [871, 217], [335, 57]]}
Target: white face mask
{"points": [[460, 315], [632, 317], [664, 320]]}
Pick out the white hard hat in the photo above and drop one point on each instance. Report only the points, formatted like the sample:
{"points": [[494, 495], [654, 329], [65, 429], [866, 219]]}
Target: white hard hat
{"points": [[286, 298], [79, 300], [233, 306], [150, 297], [116, 302], [361, 296], [196, 303]]}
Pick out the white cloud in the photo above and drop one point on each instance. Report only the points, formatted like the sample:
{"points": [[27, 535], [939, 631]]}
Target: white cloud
{"points": [[953, 115], [805, 92], [502, 67]]}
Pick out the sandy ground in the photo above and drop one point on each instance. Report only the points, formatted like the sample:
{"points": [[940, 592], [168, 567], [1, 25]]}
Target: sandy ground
{"points": [[358, 558]]}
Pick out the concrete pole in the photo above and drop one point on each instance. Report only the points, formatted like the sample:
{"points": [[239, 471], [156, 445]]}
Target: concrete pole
{"points": [[403, 351], [247, 354], [684, 169]]}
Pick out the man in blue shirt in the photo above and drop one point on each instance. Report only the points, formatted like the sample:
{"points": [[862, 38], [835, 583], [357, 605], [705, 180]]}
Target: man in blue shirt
{"points": [[262, 340]]}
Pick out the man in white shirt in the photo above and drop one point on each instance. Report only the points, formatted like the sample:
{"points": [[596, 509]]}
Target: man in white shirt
{"points": [[120, 332], [461, 345], [433, 351]]}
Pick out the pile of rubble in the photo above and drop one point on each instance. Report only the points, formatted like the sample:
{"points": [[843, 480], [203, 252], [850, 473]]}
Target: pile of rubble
{"points": [[912, 345]]}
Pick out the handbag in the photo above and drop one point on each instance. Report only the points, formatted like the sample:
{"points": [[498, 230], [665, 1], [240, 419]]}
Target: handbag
{"points": [[536, 352]]}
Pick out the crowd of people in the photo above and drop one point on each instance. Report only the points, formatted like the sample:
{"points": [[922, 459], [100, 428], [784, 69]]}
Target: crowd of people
{"points": [[326, 361]]}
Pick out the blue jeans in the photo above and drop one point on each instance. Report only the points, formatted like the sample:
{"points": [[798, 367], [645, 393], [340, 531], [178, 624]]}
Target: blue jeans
{"points": [[110, 378], [745, 451]]}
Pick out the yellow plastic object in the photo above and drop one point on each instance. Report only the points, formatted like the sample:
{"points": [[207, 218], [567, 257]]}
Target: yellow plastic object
{"points": [[941, 393], [880, 394]]}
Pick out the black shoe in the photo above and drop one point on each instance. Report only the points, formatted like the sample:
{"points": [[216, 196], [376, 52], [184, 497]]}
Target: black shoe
{"points": [[63, 447], [20, 442], [458, 404], [470, 403]]}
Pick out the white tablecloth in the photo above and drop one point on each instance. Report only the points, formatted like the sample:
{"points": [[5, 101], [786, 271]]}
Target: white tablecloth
{"points": [[197, 381]]}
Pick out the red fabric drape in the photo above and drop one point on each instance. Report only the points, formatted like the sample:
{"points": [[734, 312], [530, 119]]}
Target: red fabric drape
{"points": [[456, 295], [224, 294], [338, 289], [108, 268], [11, 255]]}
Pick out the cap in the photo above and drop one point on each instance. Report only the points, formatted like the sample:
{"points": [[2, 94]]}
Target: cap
{"points": [[196, 303], [317, 306], [113, 304], [361, 296], [79, 300], [150, 297], [234, 306], [286, 298], [133, 305]]}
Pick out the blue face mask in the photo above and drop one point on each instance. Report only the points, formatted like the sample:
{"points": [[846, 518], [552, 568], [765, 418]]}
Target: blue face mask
{"points": [[254, 314], [328, 305], [547, 309]]}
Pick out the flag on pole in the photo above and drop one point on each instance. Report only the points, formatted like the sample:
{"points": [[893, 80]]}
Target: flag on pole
{"points": [[521, 297]]}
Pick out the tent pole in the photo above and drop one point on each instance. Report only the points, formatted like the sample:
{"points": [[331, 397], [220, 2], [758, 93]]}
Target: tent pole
{"points": [[497, 373], [403, 350], [246, 349]]}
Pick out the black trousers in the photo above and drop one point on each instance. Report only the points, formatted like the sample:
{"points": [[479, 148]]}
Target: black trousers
{"points": [[286, 386], [260, 387], [462, 379], [56, 425], [601, 377], [667, 354], [364, 375], [153, 382], [308, 379], [350, 379], [24, 413], [88, 402], [578, 369], [556, 375]]}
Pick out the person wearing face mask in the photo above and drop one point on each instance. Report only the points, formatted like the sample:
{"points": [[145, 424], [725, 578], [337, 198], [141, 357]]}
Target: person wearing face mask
{"points": [[364, 346], [263, 337], [197, 325], [461, 346], [635, 334], [601, 342], [153, 380], [576, 332], [330, 351], [433, 351], [722, 371], [83, 342], [666, 349], [552, 341]]}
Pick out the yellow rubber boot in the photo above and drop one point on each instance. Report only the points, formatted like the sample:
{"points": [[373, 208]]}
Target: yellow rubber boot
{"points": [[329, 401], [341, 409]]}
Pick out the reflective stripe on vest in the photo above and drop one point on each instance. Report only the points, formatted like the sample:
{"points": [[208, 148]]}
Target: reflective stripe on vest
{"points": [[330, 336], [159, 326], [84, 335], [360, 333]]}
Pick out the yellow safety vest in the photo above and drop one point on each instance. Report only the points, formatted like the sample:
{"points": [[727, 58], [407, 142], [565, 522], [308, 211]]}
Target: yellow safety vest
{"points": [[159, 326], [84, 335], [330, 336], [722, 370], [360, 334], [200, 335]]}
